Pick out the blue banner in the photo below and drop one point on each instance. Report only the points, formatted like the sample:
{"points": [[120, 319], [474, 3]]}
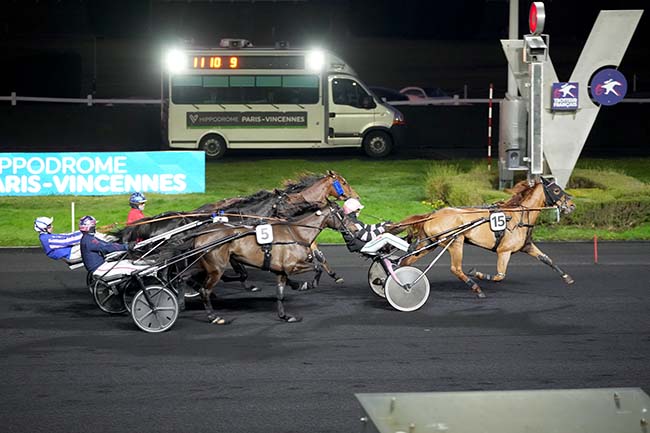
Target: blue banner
{"points": [[34, 174]]}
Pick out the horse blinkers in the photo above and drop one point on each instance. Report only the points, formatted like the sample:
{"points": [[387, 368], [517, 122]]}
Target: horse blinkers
{"points": [[556, 196]]}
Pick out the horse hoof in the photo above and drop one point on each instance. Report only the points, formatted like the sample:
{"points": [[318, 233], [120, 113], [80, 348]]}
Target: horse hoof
{"points": [[472, 272], [254, 289], [481, 295], [292, 319], [304, 286], [567, 279], [339, 280], [219, 321]]}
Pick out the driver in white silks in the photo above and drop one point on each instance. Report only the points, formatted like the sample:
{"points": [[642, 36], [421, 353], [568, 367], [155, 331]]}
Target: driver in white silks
{"points": [[367, 238]]}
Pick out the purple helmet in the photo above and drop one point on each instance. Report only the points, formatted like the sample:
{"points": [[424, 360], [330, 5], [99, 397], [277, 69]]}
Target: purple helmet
{"points": [[87, 223]]}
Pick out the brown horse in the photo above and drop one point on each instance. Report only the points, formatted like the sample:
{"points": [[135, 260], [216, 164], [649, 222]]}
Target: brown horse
{"points": [[521, 213], [289, 252], [307, 191]]}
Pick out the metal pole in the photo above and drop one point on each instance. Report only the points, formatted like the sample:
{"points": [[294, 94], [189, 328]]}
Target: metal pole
{"points": [[513, 33]]}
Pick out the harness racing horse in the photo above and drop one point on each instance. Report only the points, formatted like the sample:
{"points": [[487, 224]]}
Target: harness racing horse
{"points": [[307, 191], [288, 253], [521, 211]]}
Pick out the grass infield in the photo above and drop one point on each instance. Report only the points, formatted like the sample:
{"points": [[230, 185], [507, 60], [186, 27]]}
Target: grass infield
{"points": [[390, 190]]}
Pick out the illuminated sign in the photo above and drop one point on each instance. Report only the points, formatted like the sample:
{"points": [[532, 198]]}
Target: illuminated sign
{"points": [[216, 62], [105, 173]]}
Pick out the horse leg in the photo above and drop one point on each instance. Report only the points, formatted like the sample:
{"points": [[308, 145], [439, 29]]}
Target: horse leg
{"points": [[456, 253], [532, 250], [282, 280], [502, 265], [242, 276], [324, 265], [210, 281]]}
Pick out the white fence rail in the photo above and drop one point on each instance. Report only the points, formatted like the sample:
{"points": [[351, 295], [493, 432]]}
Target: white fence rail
{"points": [[90, 101]]}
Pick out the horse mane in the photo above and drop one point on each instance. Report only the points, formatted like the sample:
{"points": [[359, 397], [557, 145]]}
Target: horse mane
{"points": [[521, 191], [305, 180], [143, 228]]}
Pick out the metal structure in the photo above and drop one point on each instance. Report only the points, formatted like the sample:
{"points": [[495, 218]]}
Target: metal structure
{"points": [[604, 410], [554, 138]]}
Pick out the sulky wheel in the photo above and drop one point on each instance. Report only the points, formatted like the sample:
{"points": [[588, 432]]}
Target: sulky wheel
{"points": [[90, 282], [411, 296], [158, 313], [108, 298], [377, 278], [131, 289]]}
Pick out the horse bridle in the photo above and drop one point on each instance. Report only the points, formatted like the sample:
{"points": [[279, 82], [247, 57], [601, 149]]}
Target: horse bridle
{"points": [[559, 199]]}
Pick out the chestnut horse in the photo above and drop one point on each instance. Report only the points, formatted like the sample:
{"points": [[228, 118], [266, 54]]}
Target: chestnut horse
{"points": [[289, 252], [521, 211]]}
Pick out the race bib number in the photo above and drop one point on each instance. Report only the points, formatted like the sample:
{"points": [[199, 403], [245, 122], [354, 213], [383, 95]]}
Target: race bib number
{"points": [[498, 221], [264, 234]]}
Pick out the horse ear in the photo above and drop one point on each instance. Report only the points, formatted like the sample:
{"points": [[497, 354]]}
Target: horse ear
{"points": [[330, 173]]}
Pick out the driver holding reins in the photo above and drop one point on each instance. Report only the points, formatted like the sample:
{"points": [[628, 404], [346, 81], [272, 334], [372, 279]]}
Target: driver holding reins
{"points": [[93, 249]]}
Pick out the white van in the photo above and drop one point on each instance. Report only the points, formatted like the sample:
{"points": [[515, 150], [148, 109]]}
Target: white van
{"points": [[240, 97]]}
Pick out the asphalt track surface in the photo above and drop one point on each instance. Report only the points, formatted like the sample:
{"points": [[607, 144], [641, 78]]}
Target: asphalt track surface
{"points": [[68, 367]]}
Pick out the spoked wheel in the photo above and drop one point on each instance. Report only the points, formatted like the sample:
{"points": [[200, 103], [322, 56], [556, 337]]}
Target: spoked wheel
{"points": [[377, 278], [108, 298], [133, 288], [188, 285], [90, 282], [158, 315], [408, 297]]}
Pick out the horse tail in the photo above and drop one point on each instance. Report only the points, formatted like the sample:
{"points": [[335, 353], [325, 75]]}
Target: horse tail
{"points": [[413, 225]]}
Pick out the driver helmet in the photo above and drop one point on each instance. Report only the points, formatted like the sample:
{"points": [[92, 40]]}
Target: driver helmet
{"points": [[352, 205], [43, 224], [87, 224], [137, 200]]}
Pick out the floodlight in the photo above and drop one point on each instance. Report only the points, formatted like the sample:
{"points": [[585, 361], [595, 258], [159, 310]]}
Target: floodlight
{"points": [[315, 60], [176, 61]]}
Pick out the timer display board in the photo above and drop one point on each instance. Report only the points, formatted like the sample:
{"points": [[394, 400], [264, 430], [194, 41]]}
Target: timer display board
{"points": [[214, 62]]}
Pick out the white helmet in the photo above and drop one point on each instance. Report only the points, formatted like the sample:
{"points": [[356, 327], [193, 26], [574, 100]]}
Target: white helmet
{"points": [[42, 223], [351, 205]]}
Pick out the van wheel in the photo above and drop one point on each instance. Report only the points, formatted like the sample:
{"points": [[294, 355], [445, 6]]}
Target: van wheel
{"points": [[377, 144], [213, 146]]}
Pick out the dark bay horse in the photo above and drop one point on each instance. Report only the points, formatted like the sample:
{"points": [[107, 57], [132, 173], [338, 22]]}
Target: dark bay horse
{"points": [[521, 211], [307, 191], [289, 252]]}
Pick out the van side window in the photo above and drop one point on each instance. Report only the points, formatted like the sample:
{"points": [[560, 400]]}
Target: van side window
{"points": [[348, 92]]}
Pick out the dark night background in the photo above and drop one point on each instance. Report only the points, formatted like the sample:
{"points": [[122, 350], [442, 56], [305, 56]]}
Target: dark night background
{"points": [[113, 49]]}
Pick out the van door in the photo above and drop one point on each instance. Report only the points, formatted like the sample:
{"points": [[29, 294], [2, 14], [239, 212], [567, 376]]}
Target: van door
{"points": [[351, 111]]}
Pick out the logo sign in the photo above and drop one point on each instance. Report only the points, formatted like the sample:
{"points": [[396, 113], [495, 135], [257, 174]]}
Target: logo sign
{"points": [[264, 233], [498, 221], [31, 174], [564, 96], [608, 87], [252, 119]]}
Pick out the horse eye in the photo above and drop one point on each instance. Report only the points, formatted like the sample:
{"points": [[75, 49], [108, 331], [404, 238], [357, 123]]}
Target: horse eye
{"points": [[556, 190]]}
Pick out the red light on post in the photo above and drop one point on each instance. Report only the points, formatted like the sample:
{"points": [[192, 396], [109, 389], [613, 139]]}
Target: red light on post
{"points": [[536, 18]]}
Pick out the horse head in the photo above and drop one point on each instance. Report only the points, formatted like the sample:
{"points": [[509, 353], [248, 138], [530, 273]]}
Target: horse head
{"points": [[339, 187], [556, 196]]}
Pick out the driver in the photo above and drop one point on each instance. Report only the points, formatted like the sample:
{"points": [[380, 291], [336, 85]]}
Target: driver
{"points": [[367, 238], [137, 202], [57, 245], [93, 248]]}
